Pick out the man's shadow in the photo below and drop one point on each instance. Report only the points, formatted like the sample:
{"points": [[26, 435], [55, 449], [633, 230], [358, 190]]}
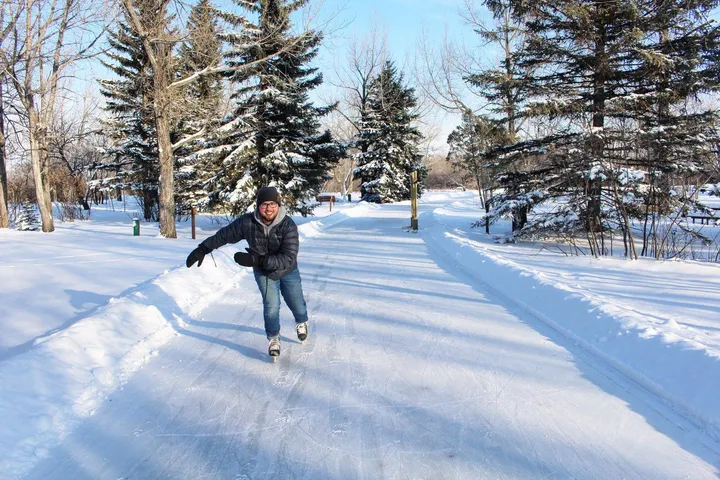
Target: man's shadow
{"points": [[239, 328], [178, 319]]}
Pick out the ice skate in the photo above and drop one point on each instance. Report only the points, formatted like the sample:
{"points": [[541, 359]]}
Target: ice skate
{"points": [[302, 331], [274, 347]]}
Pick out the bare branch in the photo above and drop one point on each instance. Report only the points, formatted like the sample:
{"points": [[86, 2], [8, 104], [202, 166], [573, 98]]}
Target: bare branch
{"points": [[189, 138]]}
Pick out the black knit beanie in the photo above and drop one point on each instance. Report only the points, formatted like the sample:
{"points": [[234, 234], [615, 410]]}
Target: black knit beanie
{"points": [[267, 194]]}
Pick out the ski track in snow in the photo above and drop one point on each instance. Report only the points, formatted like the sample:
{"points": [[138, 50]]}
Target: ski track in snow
{"points": [[412, 370]]}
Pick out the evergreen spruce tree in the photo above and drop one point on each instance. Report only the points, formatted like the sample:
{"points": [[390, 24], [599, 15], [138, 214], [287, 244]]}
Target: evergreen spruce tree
{"points": [[273, 135], [388, 140], [578, 56], [27, 219], [133, 154], [678, 64], [200, 108], [605, 75]]}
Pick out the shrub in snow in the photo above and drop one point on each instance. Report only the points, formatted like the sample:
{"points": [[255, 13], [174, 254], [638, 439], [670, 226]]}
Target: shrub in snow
{"points": [[70, 211], [27, 219]]}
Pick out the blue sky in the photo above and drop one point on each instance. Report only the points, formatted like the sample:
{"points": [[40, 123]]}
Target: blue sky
{"points": [[404, 22], [403, 19]]}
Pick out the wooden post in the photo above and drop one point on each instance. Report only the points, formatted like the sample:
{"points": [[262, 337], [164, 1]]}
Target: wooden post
{"points": [[193, 223], [332, 197], [413, 201]]}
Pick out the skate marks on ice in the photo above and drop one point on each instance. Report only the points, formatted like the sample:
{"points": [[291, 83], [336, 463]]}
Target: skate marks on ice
{"points": [[252, 446], [456, 380], [163, 423], [287, 380], [421, 376], [160, 425], [358, 365]]}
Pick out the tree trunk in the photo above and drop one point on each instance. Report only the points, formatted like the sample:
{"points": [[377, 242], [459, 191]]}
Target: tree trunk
{"points": [[4, 215], [481, 190], [166, 204], [662, 199], [487, 211], [594, 185], [517, 213], [519, 218], [157, 46], [592, 215], [149, 202], [38, 157]]}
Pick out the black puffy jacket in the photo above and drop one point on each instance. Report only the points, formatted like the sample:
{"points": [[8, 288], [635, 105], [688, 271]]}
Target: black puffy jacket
{"points": [[278, 242]]}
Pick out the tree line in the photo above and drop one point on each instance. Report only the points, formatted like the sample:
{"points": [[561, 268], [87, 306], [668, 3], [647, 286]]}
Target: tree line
{"points": [[599, 119], [198, 115], [579, 119]]}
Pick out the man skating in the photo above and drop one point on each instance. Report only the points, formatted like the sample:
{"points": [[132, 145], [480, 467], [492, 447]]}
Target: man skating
{"points": [[273, 242]]}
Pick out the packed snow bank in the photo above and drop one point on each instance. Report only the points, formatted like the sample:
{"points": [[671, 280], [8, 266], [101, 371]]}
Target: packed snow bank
{"points": [[51, 386], [50, 281], [62, 379], [317, 227], [664, 359]]}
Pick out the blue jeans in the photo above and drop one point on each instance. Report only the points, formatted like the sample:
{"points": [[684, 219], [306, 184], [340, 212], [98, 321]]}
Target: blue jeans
{"points": [[290, 286]]}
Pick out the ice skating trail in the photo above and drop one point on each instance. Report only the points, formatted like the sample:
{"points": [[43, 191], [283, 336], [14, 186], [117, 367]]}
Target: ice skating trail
{"points": [[411, 371]]}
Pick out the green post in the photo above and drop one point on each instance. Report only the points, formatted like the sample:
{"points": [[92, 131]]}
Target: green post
{"points": [[136, 227], [193, 222]]}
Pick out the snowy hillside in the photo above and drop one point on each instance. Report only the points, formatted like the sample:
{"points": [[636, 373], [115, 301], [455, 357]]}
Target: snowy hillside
{"points": [[439, 354]]}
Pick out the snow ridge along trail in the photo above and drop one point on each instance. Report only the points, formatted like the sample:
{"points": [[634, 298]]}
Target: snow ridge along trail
{"points": [[621, 311], [412, 371]]}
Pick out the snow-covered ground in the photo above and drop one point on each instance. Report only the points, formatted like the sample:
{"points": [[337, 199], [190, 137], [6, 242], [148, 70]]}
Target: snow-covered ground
{"points": [[49, 282], [658, 322], [432, 355]]}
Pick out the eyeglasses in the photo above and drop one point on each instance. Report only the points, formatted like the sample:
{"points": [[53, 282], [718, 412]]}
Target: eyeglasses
{"points": [[270, 205]]}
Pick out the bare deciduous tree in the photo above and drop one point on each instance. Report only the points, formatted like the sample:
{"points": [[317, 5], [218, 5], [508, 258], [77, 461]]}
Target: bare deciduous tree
{"points": [[440, 73], [365, 58], [51, 37], [10, 11], [447, 73], [74, 146], [158, 40], [4, 214]]}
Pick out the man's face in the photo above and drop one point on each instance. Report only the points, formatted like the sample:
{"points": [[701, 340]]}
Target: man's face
{"points": [[268, 211]]}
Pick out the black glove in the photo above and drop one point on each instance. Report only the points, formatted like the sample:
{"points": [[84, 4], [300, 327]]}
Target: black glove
{"points": [[250, 259], [197, 256]]}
